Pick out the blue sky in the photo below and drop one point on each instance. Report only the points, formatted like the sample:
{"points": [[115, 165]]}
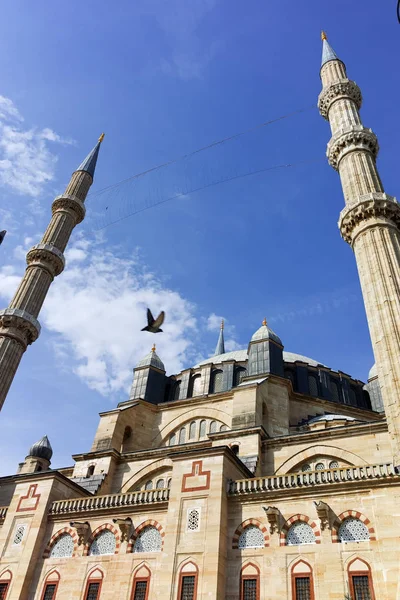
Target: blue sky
{"points": [[162, 79]]}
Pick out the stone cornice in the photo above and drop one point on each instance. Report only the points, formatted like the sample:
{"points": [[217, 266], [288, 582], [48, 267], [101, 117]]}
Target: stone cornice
{"points": [[371, 210], [40, 476]]}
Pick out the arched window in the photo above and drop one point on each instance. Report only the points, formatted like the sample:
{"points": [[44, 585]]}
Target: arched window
{"points": [[353, 396], [360, 580], [90, 471], [302, 581], [333, 464], [187, 588], [172, 439], [313, 385], [169, 482], [93, 586], [63, 547], [250, 582], [182, 435], [224, 428], [251, 537], [289, 374], [353, 530], [38, 468], [5, 581], [141, 584], [177, 390], [202, 428], [160, 483], [50, 586], [148, 540], [192, 430], [149, 485], [319, 466], [306, 467], [104, 543], [216, 381], [213, 426], [194, 386], [300, 533], [126, 438], [238, 375], [334, 388]]}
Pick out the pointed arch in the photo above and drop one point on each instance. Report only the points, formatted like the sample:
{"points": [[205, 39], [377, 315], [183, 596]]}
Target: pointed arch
{"points": [[99, 530], [141, 582], [188, 580], [302, 581], [289, 465], [5, 582], [57, 535], [295, 519], [140, 528], [360, 578], [50, 585], [355, 514], [94, 581], [243, 526], [6, 575], [249, 581]]}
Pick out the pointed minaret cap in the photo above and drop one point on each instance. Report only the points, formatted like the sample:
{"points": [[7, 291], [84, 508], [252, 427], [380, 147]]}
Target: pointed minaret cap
{"points": [[327, 51], [265, 333], [151, 360], [89, 164], [42, 449], [220, 348]]}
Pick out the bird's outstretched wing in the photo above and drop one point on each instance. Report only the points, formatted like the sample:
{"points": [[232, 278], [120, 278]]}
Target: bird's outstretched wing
{"points": [[160, 319], [150, 318]]}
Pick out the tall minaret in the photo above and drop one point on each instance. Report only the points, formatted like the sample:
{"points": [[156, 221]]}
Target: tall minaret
{"points": [[19, 326], [220, 348], [370, 223]]}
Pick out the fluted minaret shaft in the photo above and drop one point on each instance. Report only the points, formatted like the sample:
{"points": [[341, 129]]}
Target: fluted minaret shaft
{"points": [[18, 323], [370, 223]]}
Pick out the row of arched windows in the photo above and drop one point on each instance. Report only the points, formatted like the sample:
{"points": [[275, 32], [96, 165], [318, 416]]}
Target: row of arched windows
{"points": [[195, 387], [195, 430], [301, 581]]}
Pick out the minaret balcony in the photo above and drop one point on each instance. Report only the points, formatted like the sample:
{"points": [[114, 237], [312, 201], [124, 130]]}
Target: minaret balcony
{"points": [[349, 140], [344, 88], [70, 204], [369, 210], [47, 257], [19, 325]]}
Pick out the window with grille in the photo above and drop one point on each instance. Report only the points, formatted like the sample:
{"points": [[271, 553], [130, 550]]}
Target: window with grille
{"points": [[353, 397], [249, 589], [140, 590], [3, 590], [300, 533], [302, 588], [306, 467], [93, 591], [49, 592], [192, 430], [160, 483], [177, 390], [353, 530], [313, 385], [224, 428], [104, 543], [216, 382], [182, 435], [172, 440], [202, 428], [149, 540], [251, 537], [63, 547], [240, 372], [361, 587], [19, 534], [319, 466], [149, 485], [188, 587], [334, 388], [333, 464], [193, 519], [195, 384], [213, 426]]}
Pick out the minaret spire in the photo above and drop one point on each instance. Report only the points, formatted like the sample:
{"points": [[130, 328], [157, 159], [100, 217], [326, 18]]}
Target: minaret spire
{"points": [[220, 348], [327, 51], [370, 223], [19, 326]]}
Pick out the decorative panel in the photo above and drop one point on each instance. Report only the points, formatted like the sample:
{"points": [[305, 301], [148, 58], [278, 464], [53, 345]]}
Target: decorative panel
{"points": [[104, 543], [149, 540], [251, 537], [300, 533], [63, 547], [353, 530]]}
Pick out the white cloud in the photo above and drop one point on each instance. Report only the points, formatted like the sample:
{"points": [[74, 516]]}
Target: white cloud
{"points": [[96, 310], [214, 322], [26, 162]]}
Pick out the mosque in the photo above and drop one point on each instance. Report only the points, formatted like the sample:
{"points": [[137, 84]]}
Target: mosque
{"points": [[258, 474]]}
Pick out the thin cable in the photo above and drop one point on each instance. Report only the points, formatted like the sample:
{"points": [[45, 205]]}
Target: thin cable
{"points": [[198, 189], [217, 143]]}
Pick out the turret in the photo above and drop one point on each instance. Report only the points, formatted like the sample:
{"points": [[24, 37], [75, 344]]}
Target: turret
{"points": [[149, 379], [39, 457], [19, 325], [265, 352]]}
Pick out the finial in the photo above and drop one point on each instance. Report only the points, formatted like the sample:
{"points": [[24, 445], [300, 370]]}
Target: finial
{"points": [[323, 36], [222, 324], [264, 322], [153, 348], [101, 138]]}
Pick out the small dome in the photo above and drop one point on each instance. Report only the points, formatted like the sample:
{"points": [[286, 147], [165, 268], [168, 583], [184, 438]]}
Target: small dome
{"points": [[265, 333], [373, 372], [151, 360], [42, 449]]}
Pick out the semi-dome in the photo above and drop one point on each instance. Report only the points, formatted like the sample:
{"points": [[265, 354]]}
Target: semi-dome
{"points": [[265, 333], [151, 360], [373, 372], [42, 449]]}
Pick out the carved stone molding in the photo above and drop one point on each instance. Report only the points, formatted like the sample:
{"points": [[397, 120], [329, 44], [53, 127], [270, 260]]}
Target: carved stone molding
{"points": [[72, 204], [19, 325], [349, 140], [323, 512], [82, 529], [48, 257], [370, 210], [125, 526], [274, 518], [340, 89]]}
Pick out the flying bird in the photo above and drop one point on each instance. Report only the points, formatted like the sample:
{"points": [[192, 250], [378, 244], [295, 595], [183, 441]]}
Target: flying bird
{"points": [[153, 325], [2, 235]]}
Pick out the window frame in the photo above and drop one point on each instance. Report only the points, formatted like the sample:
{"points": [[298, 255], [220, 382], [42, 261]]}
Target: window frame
{"points": [[365, 573], [89, 581], [7, 583], [244, 577], [301, 575], [137, 580], [183, 574], [46, 583]]}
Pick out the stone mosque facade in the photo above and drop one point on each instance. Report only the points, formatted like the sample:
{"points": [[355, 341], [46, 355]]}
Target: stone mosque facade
{"points": [[256, 474]]}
